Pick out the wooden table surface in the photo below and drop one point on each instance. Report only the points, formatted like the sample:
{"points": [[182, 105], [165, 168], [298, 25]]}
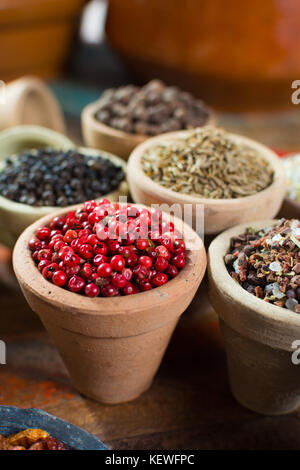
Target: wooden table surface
{"points": [[189, 405]]}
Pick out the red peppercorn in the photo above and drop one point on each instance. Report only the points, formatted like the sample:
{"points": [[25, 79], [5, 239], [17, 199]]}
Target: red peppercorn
{"points": [[145, 285], [86, 251], [109, 291], [42, 264], [44, 254], [161, 264], [146, 253], [100, 248], [171, 271], [145, 261], [76, 284], [70, 235], [49, 270], [104, 270], [86, 271], [159, 279], [92, 290], [99, 259], [118, 281], [179, 261], [142, 244], [43, 233], [132, 261], [117, 263], [59, 278], [35, 244]]}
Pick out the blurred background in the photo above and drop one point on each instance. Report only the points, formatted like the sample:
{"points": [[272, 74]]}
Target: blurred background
{"points": [[240, 57]]}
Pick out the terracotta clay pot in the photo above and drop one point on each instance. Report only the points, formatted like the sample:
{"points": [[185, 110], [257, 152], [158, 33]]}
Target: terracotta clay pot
{"points": [[112, 347], [219, 214], [258, 337], [100, 136]]}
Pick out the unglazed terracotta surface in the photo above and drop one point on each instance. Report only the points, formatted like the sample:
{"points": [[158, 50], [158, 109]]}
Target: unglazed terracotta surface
{"points": [[219, 214], [112, 347], [258, 336], [100, 136], [28, 100], [14, 216]]}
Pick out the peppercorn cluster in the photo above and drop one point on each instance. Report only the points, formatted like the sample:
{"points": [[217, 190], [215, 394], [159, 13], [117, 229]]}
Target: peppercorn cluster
{"points": [[48, 177], [267, 263], [108, 249], [151, 110]]}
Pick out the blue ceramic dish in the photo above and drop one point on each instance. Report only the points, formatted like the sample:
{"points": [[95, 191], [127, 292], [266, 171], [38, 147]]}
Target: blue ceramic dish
{"points": [[14, 420]]}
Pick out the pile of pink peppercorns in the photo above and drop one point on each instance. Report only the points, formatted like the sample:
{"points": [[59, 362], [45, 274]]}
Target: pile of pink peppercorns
{"points": [[107, 249]]}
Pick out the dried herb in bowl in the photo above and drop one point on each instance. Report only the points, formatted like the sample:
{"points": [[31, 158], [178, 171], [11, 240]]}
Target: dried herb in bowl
{"points": [[267, 263], [209, 164]]}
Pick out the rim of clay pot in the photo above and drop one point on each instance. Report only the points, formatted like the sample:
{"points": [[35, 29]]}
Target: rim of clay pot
{"points": [[117, 307], [272, 325], [88, 116], [135, 168], [19, 208]]}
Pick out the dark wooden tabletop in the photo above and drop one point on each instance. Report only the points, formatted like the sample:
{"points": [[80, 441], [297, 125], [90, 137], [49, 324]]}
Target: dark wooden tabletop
{"points": [[189, 405]]}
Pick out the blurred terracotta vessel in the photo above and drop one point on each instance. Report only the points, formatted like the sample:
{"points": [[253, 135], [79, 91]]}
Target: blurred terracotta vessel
{"points": [[235, 55], [101, 136], [36, 36], [15, 216], [219, 214], [258, 336], [28, 100], [112, 347]]}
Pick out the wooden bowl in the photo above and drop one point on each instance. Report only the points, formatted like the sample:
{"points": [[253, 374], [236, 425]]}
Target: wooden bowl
{"points": [[28, 100], [219, 214], [98, 135], [14, 216], [258, 336], [112, 347], [14, 420]]}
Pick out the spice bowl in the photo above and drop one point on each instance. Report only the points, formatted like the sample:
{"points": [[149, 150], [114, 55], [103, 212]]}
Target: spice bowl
{"points": [[16, 216], [101, 136], [259, 336], [112, 347], [219, 214]]}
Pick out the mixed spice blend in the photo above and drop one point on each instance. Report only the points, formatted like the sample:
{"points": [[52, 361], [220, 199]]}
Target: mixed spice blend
{"points": [[267, 263], [209, 164], [30, 439]]}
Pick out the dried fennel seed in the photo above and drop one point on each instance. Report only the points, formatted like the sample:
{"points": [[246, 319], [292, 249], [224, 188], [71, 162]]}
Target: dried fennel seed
{"points": [[209, 164]]}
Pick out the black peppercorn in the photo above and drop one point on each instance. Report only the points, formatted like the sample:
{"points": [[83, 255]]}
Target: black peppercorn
{"points": [[49, 177]]}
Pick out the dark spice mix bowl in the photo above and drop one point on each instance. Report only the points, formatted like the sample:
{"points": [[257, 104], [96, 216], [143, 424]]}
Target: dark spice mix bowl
{"points": [[112, 347], [14, 216], [219, 214], [14, 420], [258, 336]]}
